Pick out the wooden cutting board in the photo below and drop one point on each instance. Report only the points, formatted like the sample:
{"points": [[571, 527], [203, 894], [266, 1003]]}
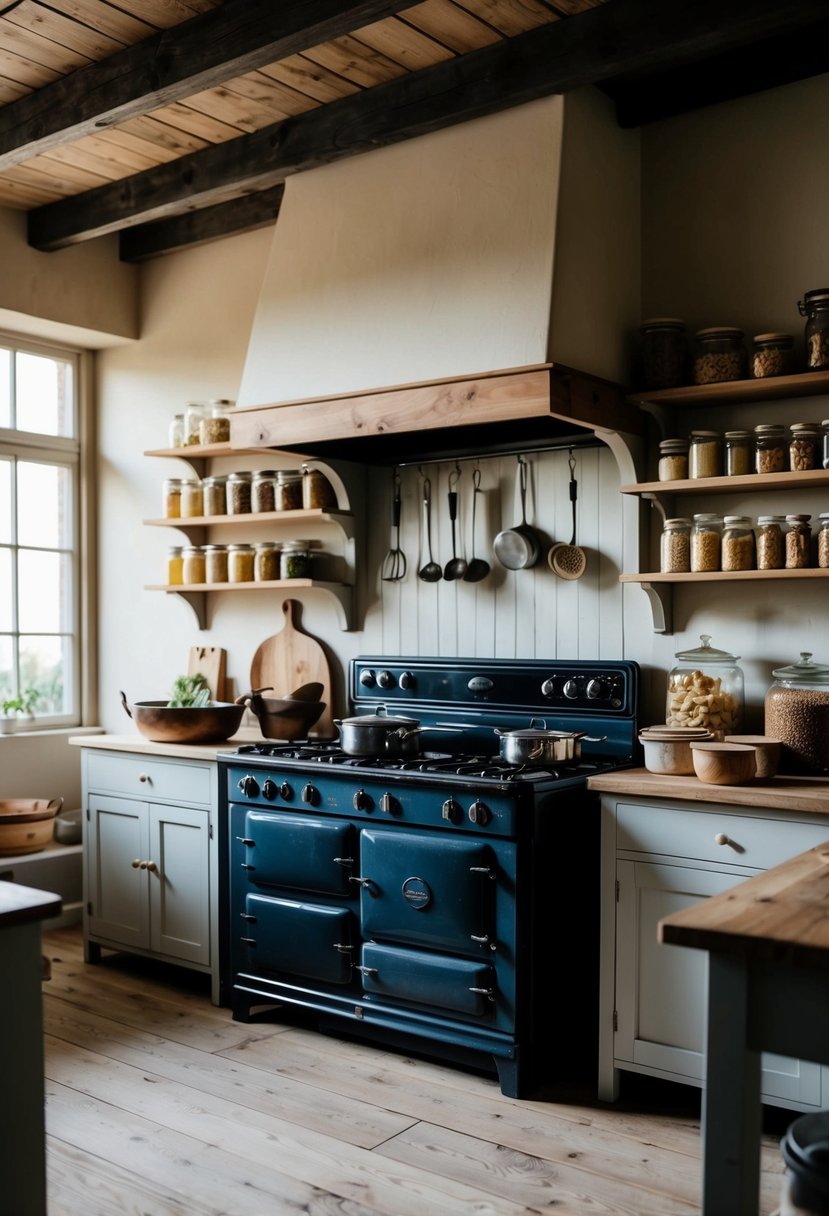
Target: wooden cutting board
{"points": [[211, 661], [291, 658]]}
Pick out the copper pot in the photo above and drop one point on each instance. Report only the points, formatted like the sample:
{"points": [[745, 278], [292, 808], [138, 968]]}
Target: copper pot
{"points": [[212, 723]]}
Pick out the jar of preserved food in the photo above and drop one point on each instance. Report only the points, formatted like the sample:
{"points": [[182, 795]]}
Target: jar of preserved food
{"points": [[214, 490], [706, 537], [194, 412], [214, 427], [240, 563], [317, 491], [705, 688], [815, 308], [772, 355], [804, 447], [673, 460], [266, 562], [739, 453], [823, 542], [705, 454], [289, 490], [175, 566], [295, 560], [797, 713], [192, 499], [664, 352], [193, 565], [798, 542], [737, 543], [771, 551], [675, 547], [175, 433], [264, 490], [215, 564], [239, 493], [720, 355], [772, 448], [172, 498]]}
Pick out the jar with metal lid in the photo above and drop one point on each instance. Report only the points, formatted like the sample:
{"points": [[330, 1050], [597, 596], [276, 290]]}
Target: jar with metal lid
{"points": [[720, 355], [664, 352], [263, 494], [675, 547], [175, 433], [705, 454], [771, 445], [706, 688], [239, 493], [194, 412], [797, 713], [215, 563], [824, 432], [823, 541], [737, 543], [240, 563], [798, 542], [815, 308], [289, 490], [175, 566], [706, 539], [192, 498], [739, 453], [772, 355], [214, 490], [193, 564], [771, 550], [214, 427], [295, 560], [317, 491], [172, 498], [673, 459], [804, 447], [266, 562]]}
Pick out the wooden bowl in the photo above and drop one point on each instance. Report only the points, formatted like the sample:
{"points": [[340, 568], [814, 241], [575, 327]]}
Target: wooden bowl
{"points": [[26, 824], [723, 763], [767, 752], [669, 751]]}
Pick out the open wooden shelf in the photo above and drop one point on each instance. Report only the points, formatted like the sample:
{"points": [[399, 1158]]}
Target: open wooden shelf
{"points": [[195, 594], [721, 576], [732, 392], [751, 482]]}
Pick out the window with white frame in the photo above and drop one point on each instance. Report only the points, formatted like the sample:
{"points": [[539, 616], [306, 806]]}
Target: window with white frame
{"points": [[39, 532]]}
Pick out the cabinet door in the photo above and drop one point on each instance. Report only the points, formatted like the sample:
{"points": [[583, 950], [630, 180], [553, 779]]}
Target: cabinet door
{"points": [[179, 883], [116, 889], [662, 990]]}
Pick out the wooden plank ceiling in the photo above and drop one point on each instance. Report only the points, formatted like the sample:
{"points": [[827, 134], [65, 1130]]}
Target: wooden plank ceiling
{"points": [[175, 121]]}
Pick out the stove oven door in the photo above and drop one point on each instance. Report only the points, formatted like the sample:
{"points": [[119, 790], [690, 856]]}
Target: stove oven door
{"points": [[302, 852], [284, 935], [458, 985]]}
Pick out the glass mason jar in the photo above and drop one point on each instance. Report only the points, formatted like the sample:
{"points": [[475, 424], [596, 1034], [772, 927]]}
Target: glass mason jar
{"points": [[175, 566], [804, 447], [214, 427], [771, 443], [720, 355], [175, 433], [215, 562], [797, 713], [823, 542], [317, 491], [773, 355], [266, 562], [798, 542], [705, 688], [289, 490], [192, 498], [295, 560], [172, 498], [194, 412], [664, 352], [737, 543], [214, 490], [706, 539], [739, 453], [675, 547], [815, 308], [263, 495], [240, 563], [239, 493], [705, 454], [673, 460], [824, 431], [771, 550], [193, 564]]}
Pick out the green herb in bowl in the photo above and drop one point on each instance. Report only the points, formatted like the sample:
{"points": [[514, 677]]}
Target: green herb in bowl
{"points": [[190, 692]]}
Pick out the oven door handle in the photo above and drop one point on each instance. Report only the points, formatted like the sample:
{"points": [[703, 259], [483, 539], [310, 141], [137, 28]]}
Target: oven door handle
{"points": [[343, 861], [367, 883], [489, 993], [366, 970], [488, 870]]}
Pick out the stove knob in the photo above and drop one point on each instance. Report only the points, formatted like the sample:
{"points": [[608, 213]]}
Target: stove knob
{"points": [[595, 689], [389, 804], [570, 689], [407, 680], [479, 813], [548, 688], [362, 801], [367, 678], [285, 791], [249, 786], [310, 794], [452, 810], [385, 679], [270, 790]]}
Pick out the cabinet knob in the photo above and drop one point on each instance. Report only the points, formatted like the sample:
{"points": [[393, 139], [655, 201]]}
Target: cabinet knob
{"points": [[136, 864], [721, 838], [143, 777], [152, 867]]}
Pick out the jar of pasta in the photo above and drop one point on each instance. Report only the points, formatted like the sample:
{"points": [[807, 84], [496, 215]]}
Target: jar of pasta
{"points": [[720, 355], [737, 543], [739, 453], [771, 445], [263, 494], [823, 542], [705, 454], [798, 542], [289, 490], [192, 499], [706, 539], [172, 498], [771, 551], [675, 547], [673, 459], [240, 563], [295, 560], [239, 493], [215, 563], [175, 566], [266, 562], [804, 447], [193, 564], [214, 490], [317, 490], [772, 355], [706, 688]]}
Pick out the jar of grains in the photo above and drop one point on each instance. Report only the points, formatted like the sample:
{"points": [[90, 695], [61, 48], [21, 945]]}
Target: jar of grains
{"points": [[675, 547], [739, 453], [706, 538], [823, 541], [772, 355], [175, 433], [664, 352], [705, 688], [263, 494], [194, 412], [771, 552], [240, 563], [720, 355], [172, 498], [737, 543], [705, 454], [175, 566], [798, 542], [214, 490], [215, 425], [797, 713], [192, 499], [238, 493], [215, 563], [265, 562], [193, 565], [289, 490], [295, 560], [804, 446], [673, 459], [317, 491], [771, 448], [815, 308]]}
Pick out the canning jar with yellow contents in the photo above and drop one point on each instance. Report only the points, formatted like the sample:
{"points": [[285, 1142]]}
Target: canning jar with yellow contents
{"points": [[737, 543], [240, 563], [706, 541], [193, 565], [706, 688]]}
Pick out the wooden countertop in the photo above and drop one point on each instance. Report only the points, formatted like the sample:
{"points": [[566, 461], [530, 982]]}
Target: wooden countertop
{"points": [[782, 914], [20, 904], [809, 794], [185, 751]]}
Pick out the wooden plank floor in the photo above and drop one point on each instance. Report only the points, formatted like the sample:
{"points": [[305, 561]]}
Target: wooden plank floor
{"points": [[158, 1104]]}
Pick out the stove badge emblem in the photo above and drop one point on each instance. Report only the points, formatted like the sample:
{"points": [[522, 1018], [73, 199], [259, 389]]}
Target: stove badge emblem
{"points": [[417, 893]]}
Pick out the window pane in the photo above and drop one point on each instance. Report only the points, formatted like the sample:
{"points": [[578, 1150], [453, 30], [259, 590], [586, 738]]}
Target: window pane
{"points": [[43, 516], [6, 617], [5, 387], [44, 395], [43, 582], [7, 681], [45, 666], [5, 501]]}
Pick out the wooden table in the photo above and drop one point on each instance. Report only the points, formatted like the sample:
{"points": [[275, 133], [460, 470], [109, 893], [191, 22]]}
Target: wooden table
{"points": [[768, 990]]}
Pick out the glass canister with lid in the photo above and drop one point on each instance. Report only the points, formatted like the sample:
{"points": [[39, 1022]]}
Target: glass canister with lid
{"points": [[673, 460], [720, 355], [739, 453], [289, 490], [706, 688], [664, 352], [295, 560], [771, 550], [771, 443], [797, 713], [194, 413], [675, 547], [823, 541], [772, 355], [706, 541], [798, 542], [804, 447], [737, 543], [704, 454], [815, 308]]}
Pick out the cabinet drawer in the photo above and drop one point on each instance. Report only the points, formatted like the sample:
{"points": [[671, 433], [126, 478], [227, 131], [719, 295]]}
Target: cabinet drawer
{"points": [[149, 778], [753, 842]]}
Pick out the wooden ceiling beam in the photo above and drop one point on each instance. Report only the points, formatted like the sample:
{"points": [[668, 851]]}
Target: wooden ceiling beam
{"points": [[209, 49], [198, 227]]}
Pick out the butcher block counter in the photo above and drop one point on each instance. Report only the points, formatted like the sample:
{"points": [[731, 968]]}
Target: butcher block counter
{"points": [[809, 794], [184, 751]]}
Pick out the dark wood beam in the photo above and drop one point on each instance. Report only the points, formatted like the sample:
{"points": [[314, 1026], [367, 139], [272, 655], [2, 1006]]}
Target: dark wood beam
{"points": [[237, 37], [198, 227], [601, 43]]}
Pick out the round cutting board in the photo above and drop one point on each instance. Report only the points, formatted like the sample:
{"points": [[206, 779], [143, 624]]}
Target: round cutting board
{"points": [[291, 658]]}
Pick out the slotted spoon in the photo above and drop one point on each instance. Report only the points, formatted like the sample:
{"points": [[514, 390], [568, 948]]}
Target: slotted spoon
{"points": [[569, 561]]}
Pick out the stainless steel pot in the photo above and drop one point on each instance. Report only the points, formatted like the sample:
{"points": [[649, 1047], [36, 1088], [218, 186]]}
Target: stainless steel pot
{"points": [[538, 745], [380, 734], [519, 548]]}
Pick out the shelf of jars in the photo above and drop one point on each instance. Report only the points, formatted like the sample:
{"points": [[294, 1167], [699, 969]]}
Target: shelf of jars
{"points": [[198, 455], [733, 392], [194, 526], [732, 485], [195, 594]]}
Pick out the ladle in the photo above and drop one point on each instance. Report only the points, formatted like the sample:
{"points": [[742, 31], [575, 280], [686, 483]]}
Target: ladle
{"points": [[456, 566], [431, 571], [477, 568]]}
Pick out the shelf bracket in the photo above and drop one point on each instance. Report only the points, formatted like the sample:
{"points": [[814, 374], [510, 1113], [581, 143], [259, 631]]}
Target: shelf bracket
{"points": [[344, 595], [198, 602], [656, 500], [660, 597]]}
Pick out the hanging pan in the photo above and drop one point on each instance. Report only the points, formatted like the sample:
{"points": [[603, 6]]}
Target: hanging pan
{"points": [[518, 548]]}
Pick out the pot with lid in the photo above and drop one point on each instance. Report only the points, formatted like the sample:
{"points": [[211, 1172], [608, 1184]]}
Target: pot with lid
{"points": [[538, 745], [705, 689], [382, 734], [797, 712]]}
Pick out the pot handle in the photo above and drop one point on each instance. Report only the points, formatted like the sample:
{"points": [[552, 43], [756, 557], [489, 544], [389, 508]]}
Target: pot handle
{"points": [[538, 723], [594, 738], [127, 709]]}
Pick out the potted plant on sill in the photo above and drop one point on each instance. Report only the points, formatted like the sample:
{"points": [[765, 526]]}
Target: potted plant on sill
{"points": [[22, 704]]}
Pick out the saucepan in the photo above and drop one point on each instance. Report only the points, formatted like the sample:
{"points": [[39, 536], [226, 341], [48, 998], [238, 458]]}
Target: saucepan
{"points": [[519, 548], [538, 745], [382, 734]]}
